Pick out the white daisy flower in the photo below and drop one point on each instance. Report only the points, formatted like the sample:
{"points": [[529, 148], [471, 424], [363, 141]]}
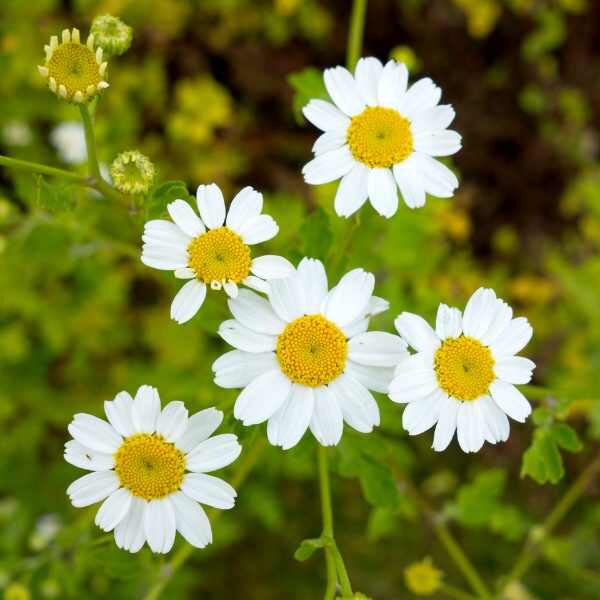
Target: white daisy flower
{"points": [[381, 134], [305, 358], [213, 249], [463, 374], [140, 461]]}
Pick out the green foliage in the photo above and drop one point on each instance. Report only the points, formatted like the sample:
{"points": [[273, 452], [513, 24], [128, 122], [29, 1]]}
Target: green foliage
{"points": [[163, 194], [307, 548], [307, 85], [316, 235], [56, 197]]}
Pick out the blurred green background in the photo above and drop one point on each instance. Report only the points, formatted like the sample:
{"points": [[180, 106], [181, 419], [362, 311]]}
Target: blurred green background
{"points": [[205, 92]]}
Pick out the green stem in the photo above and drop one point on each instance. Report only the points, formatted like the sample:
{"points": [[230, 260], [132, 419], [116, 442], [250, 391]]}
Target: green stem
{"points": [[26, 165], [181, 556], [455, 593], [531, 549], [332, 553], [90, 141], [355, 36]]}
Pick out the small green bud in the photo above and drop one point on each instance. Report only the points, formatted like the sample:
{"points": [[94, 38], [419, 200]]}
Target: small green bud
{"points": [[132, 172], [112, 35]]}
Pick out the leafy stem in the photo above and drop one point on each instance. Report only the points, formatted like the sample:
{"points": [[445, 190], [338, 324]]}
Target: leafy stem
{"points": [[26, 165]]}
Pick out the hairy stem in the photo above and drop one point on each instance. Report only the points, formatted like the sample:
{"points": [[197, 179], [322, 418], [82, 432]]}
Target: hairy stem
{"points": [[531, 549], [25, 165], [355, 36], [244, 468]]}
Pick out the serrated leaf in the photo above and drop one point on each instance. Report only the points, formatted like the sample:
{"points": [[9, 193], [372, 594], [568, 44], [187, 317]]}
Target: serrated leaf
{"points": [[307, 84], [566, 437], [542, 460], [163, 194], [316, 235], [308, 547], [54, 197]]}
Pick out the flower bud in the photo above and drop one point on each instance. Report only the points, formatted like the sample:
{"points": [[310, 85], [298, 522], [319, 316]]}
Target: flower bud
{"points": [[112, 35], [132, 172]]}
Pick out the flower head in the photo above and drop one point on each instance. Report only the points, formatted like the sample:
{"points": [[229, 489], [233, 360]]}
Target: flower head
{"points": [[423, 578], [150, 467], [112, 35], [75, 72], [305, 358], [381, 135], [132, 172], [462, 376], [213, 250]]}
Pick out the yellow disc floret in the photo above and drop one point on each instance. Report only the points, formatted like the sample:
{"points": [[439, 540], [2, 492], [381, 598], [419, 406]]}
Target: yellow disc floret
{"points": [[464, 367], [423, 578], [75, 71], [380, 137], [149, 466], [219, 256], [312, 351]]}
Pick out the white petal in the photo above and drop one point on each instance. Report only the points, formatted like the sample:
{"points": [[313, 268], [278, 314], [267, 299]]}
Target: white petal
{"points": [[327, 421], [165, 233], [328, 166], [200, 427], [411, 183], [392, 84], [191, 520], [185, 218], [287, 297], [348, 300], [498, 324], [448, 323], [510, 400], [413, 385], [367, 74], [208, 490], [439, 143], [92, 488], [214, 453], [330, 140], [480, 312], [343, 90], [271, 266], [376, 379], [236, 369], [293, 417], [258, 229], [421, 95], [146, 408], [164, 258], [377, 349], [118, 413], [94, 433], [382, 191], [159, 525], [262, 397], [326, 116], [129, 533], [421, 415], [188, 301], [514, 369], [352, 191], [513, 339], [256, 283], [446, 424], [417, 332], [113, 509], [438, 180], [231, 289], [246, 205], [211, 205], [242, 338], [172, 421], [255, 313], [358, 405], [85, 458], [313, 280], [470, 427], [432, 119], [496, 421]]}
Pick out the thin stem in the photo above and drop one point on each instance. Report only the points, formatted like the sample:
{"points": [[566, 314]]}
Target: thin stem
{"points": [[181, 556], [332, 553], [355, 36], [26, 165], [90, 141], [531, 549], [455, 593]]}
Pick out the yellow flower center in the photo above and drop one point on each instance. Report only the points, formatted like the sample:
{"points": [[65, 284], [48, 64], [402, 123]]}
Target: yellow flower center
{"points": [[464, 367], [149, 466], [74, 66], [219, 255], [379, 137], [312, 351]]}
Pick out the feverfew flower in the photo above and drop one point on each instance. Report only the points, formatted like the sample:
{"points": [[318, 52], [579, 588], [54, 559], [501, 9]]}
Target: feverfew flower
{"points": [[213, 250], [75, 72], [381, 135], [305, 357], [463, 374], [139, 463], [69, 140], [132, 172]]}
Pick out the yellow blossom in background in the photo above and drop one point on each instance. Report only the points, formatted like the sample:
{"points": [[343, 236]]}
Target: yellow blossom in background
{"points": [[423, 578], [16, 591], [530, 289], [406, 55], [481, 15]]}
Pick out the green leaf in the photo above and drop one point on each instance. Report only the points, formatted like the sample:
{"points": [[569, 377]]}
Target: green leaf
{"points": [[56, 197], [316, 235], [163, 194], [478, 500], [307, 84], [378, 484], [542, 460], [565, 437], [308, 547]]}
